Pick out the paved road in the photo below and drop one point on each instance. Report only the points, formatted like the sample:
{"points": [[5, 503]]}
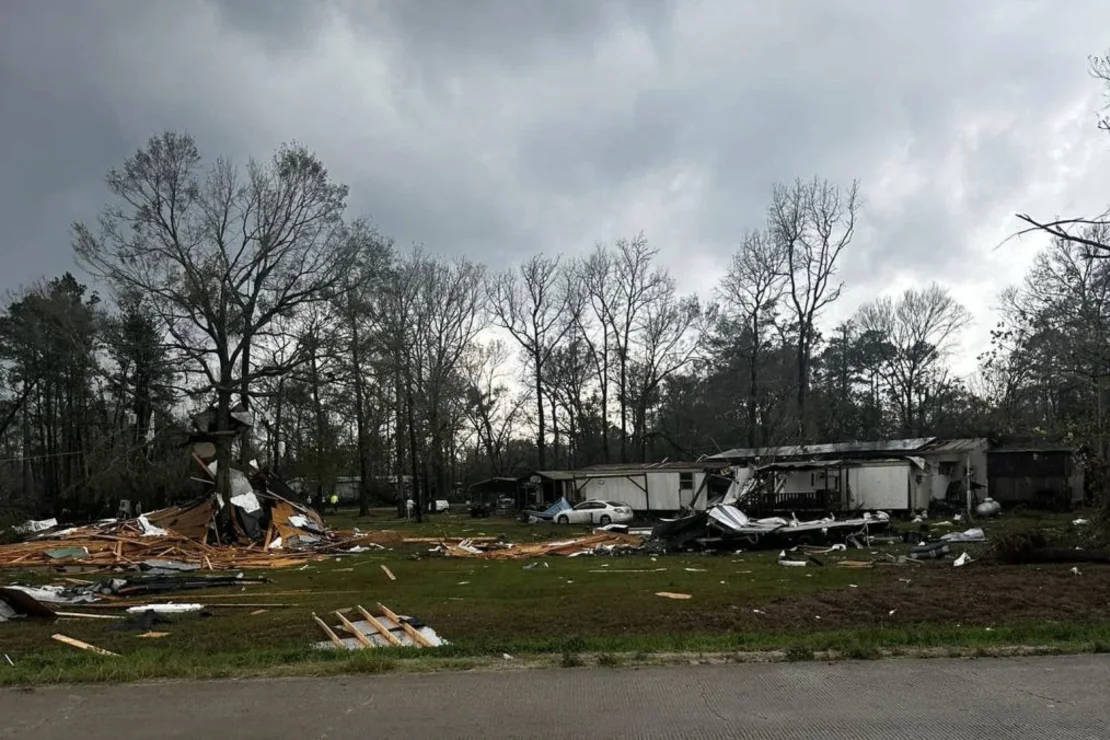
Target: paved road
{"points": [[1044, 698]]}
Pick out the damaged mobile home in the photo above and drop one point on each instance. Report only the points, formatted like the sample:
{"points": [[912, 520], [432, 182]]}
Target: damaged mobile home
{"points": [[904, 474], [645, 487], [891, 475]]}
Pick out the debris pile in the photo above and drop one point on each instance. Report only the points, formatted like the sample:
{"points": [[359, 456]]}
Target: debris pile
{"points": [[725, 527], [602, 543], [255, 527], [132, 542]]}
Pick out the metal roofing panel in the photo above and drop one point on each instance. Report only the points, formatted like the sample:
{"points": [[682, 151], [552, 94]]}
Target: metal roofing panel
{"points": [[835, 448], [552, 474], [971, 444]]}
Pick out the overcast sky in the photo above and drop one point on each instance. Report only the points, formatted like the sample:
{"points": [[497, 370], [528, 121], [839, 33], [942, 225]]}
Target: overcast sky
{"points": [[500, 128]]}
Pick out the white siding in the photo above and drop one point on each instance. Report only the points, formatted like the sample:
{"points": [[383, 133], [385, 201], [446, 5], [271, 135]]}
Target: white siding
{"points": [[664, 492], [879, 487], [626, 489]]}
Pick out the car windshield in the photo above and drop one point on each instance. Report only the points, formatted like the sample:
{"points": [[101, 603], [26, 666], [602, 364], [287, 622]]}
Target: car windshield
{"points": [[619, 505], [584, 505]]}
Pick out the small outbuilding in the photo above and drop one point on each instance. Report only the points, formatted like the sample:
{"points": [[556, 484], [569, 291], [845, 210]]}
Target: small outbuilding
{"points": [[1040, 476]]}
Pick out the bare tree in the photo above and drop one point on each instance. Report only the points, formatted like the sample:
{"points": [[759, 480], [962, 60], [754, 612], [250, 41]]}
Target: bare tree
{"points": [[433, 312], [533, 305], [1090, 232], [220, 255], [595, 280], [751, 291], [670, 337], [638, 284], [491, 408], [922, 327], [359, 309], [812, 222]]}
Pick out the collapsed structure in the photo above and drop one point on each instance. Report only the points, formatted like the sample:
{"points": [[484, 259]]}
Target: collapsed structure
{"points": [[260, 525]]}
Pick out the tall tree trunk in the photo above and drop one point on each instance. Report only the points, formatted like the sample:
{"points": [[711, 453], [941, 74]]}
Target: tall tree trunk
{"points": [[605, 392], [411, 420], [279, 420], [623, 390], [753, 384], [541, 444], [555, 441], [362, 443], [399, 444], [321, 429], [803, 382], [245, 398], [223, 443]]}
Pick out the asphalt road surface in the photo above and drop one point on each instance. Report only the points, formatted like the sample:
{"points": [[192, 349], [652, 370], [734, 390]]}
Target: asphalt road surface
{"points": [[1043, 698]]}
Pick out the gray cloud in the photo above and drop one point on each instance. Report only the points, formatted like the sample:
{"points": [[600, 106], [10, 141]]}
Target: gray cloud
{"points": [[504, 127]]}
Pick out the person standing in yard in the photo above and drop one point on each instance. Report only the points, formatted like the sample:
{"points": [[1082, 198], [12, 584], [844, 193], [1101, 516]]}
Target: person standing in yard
{"points": [[334, 501], [409, 506]]}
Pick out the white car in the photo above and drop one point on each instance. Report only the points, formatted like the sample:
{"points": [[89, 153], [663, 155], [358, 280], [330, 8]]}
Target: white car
{"points": [[596, 512]]}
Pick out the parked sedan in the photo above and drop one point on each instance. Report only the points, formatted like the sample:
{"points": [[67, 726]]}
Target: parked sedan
{"points": [[596, 512]]}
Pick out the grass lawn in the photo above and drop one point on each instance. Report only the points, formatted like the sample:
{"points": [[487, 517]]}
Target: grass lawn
{"points": [[601, 607]]}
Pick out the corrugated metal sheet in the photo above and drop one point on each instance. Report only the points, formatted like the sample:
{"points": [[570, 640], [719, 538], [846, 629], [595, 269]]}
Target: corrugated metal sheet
{"points": [[975, 444], [883, 447], [675, 467]]}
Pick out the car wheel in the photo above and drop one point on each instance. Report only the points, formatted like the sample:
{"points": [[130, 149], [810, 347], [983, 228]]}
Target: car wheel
{"points": [[564, 519], [605, 520]]}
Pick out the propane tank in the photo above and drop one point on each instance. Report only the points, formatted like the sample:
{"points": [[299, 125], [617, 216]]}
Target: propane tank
{"points": [[988, 508]]}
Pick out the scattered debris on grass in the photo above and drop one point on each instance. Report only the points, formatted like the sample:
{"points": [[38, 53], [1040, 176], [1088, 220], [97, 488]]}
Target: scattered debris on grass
{"points": [[388, 573], [17, 603], [673, 595], [971, 535], [606, 543]]}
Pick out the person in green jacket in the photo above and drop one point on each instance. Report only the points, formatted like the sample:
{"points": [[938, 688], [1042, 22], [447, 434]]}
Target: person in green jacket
{"points": [[334, 501]]}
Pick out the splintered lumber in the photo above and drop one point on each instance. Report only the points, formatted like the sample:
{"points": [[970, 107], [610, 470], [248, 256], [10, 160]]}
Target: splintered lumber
{"points": [[476, 548], [389, 573], [102, 550], [329, 632], [363, 639], [82, 645], [411, 631], [377, 625]]}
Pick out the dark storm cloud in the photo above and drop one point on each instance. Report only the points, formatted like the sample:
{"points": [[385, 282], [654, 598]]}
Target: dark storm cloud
{"points": [[504, 127]]}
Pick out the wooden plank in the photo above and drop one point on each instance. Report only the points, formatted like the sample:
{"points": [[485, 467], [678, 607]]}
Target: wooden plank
{"points": [[381, 628], [355, 631], [411, 631], [79, 615], [83, 645], [329, 632], [389, 573]]}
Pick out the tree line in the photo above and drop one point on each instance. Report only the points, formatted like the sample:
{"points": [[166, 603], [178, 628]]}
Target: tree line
{"points": [[251, 289]]}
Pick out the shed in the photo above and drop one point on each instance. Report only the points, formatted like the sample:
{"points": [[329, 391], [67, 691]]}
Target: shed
{"points": [[1044, 476], [492, 489]]}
